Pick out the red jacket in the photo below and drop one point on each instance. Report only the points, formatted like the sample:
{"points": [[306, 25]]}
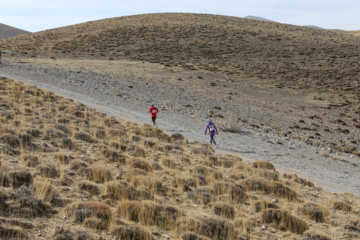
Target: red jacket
{"points": [[153, 111]]}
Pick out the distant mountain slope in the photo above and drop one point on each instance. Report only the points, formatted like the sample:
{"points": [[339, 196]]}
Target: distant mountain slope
{"points": [[8, 31], [312, 26], [264, 19], [258, 18], [285, 55]]}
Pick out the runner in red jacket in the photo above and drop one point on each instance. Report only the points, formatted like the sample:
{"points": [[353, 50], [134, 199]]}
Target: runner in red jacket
{"points": [[153, 110]]}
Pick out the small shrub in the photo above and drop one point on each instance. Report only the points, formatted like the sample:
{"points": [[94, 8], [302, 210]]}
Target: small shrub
{"points": [[89, 187], [238, 195], [314, 235], [62, 158], [4, 196], [44, 190], [54, 133], [273, 187], [63, 120], [263, 165], [18, 178], [224, 210], [26, 139], [169, 163], [12, 232], [314, 211], [260, 206], [141, 164], [66, 143], [121, 190], [84, 137], [202, 195], [148, 213], [137, 151], [11, 140], [61, 234], [30, 160], [101, 174], [113, 156], [110, 122], [4, 179], [283, 219], [95, 223], [91, 209], [63, 128], [341, 205], [193, 236], [131, 232], [30, 205], [214, 228], [48, 170]]}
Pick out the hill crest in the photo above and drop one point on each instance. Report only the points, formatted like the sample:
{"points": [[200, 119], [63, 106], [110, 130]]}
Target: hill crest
{"points": [[237, 47]]}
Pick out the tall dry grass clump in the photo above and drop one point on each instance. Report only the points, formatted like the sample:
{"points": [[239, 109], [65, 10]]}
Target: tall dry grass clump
{"points": [[80, 211], [141, 164], [131, 232], [270, 187], [101, 174], [343, 206], [44, 190], [122, 190], [4, 196], [88, 186], [148, 213], [314, 211], [12, 232], [212, 227], [283, 219], [18, 178], [263, 165]]}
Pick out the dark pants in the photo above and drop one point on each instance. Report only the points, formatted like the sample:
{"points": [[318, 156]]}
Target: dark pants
{"points": [[153, 119], [212, 140]]}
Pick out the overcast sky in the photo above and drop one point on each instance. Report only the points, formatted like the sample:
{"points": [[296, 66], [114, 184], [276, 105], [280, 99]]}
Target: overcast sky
{"points": [[39, 15]]}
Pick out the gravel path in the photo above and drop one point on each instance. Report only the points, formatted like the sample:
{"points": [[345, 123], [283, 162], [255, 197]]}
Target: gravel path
{"points": [[99, 91]]}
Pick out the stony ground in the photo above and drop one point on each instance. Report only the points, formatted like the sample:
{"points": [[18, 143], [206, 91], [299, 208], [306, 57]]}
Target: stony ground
{"points": [[296, 136]]}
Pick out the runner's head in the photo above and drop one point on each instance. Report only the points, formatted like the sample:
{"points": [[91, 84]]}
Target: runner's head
{"points": [[152, 105], [209, 120]]}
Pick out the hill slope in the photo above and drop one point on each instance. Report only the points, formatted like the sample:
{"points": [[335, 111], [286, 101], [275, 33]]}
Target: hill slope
{"points": [[356, 33], [286, 56], [8, 32], [71, 172]]}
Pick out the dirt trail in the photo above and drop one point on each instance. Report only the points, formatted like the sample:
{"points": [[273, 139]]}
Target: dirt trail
{"points": [[97, 91]]}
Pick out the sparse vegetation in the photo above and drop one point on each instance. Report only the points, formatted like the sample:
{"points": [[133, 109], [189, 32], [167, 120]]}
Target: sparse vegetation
{"points": [[71, 172]]}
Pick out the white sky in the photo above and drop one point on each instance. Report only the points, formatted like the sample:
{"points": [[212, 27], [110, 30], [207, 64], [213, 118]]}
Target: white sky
{"points": [[39, 15]]}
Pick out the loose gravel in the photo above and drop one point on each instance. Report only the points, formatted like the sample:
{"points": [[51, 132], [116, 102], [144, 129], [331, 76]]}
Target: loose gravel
{"points": [[184, 112]]}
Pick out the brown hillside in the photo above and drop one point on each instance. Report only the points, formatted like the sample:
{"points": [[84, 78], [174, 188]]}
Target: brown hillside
{"points": [[356, 33], [8, 32], [287, 56], [71, 172]]}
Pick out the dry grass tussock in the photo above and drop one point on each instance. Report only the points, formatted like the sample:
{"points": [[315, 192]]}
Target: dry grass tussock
{"points": [[124, 187]]}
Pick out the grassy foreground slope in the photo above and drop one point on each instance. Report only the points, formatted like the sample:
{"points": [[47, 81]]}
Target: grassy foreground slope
{"points": [[288, 56], [71, 172]]}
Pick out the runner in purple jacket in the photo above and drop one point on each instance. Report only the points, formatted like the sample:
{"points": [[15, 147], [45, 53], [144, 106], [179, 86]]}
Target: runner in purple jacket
{"points": [[210, 126]]}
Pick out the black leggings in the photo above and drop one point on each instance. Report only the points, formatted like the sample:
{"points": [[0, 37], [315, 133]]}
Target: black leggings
{"points": [[153, 119], [212, 140]]}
